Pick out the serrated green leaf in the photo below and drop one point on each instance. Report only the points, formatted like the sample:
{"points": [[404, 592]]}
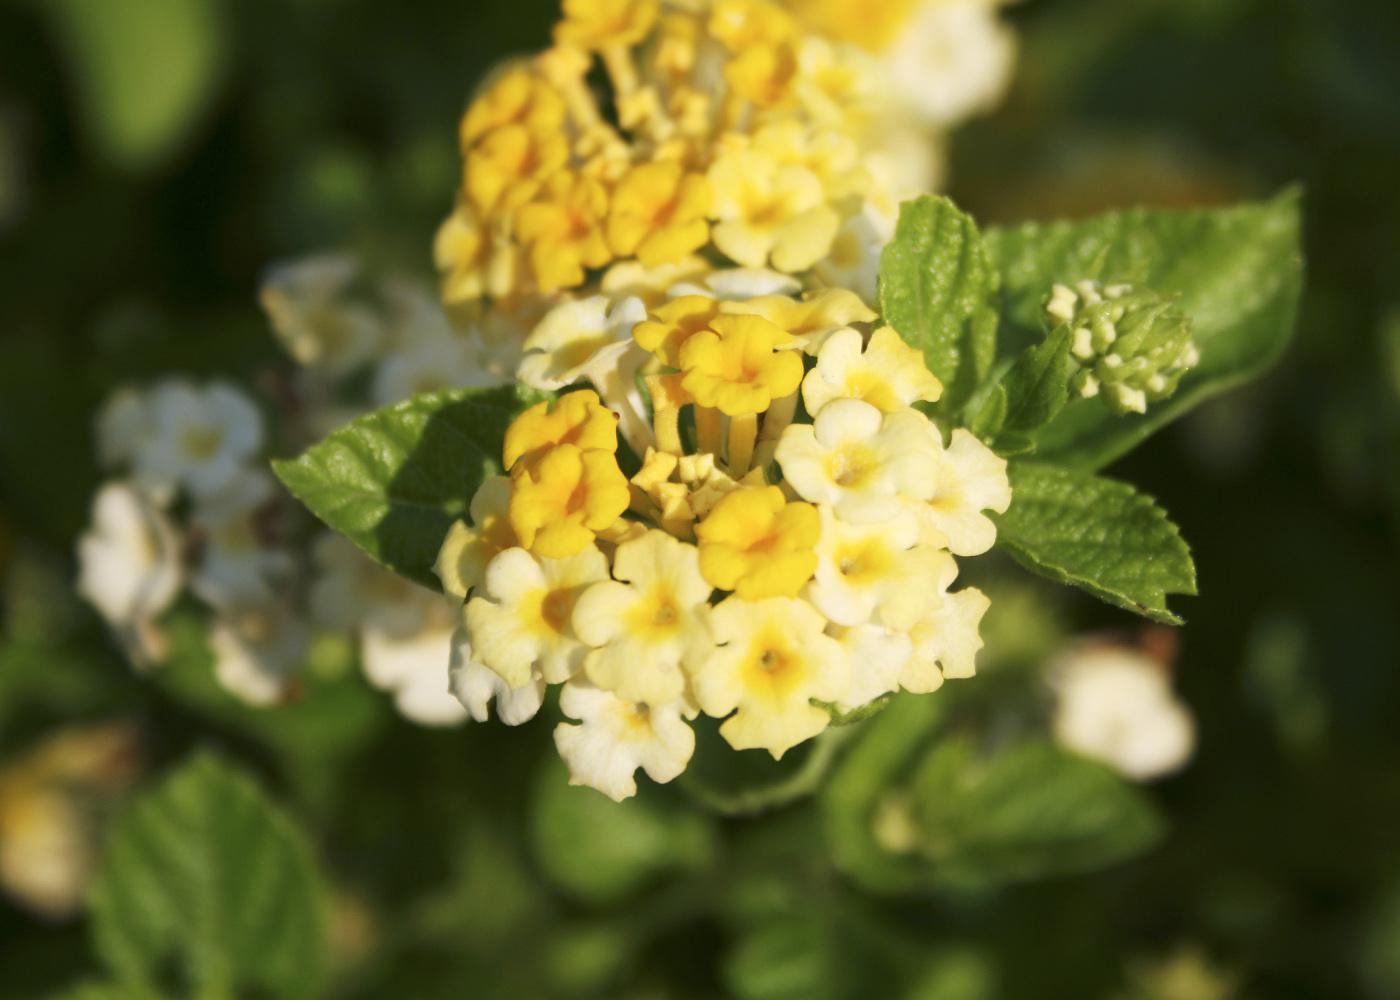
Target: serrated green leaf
{"points": [[394, 480], [1037, 386], [1238, 272], [935, 281], [207, 890], [1026, 811], [600, 851], [1096, 534]]}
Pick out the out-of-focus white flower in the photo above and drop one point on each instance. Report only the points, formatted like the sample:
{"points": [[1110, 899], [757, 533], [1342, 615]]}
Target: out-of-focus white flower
{"points": [[234, 566], [314, 314], [854, 259], [616, 737], [952, 60], [414, 666], [130, 567], [349, 589], [1115, 704], [123, 426], [51, 800], [200, 438], [448, 360], [256, 651], [476, 685]]}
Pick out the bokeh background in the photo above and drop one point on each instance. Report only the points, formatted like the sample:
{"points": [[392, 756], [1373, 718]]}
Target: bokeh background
{"points": [[155, 155]]}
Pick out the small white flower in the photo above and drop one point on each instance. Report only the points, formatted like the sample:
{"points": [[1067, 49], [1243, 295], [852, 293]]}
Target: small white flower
{"points": [[256, 650], [130, 566], [521, 623], [349, 589], [476, 685], [584, 339], [878, 657], [737, 284], [314, 314], [617, 737], [430, 363], [201, 437], [953, 60], [646, 626], [234, 566], [874, 572], [860, 461], [886, 373], [946, 639], [123, 426], [414, 666], [970, 478], [1116, 704]]}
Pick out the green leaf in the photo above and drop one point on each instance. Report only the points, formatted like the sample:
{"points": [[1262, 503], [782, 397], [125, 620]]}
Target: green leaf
{"points": [[600, 851], [1238, 272], [1096, 534], [935, 281], [143, 70], [393, 481], [1037, 386], [1030, 810], [106, 991], [207, 890]]}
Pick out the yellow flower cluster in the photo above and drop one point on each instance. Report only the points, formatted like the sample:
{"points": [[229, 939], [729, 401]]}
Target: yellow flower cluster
{"points": [[729, 129], [782, 550]]}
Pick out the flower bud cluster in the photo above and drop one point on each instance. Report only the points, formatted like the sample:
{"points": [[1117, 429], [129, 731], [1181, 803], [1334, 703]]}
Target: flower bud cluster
{"points": [[1133, 346]]}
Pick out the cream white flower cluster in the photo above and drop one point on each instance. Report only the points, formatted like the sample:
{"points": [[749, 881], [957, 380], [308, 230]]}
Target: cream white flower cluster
{"points": [[195, 507], [783, 551]]}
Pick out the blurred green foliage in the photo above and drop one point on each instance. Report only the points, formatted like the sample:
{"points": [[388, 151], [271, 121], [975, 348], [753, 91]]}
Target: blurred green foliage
{"points": [[152, 163]]}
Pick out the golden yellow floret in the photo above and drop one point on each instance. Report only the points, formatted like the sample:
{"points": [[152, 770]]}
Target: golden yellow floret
{"points": [[757, 544], [736, 366], [517, 97], [576, 418], [743, 24], [659, 212], [673, 324], [507, 168], [599, 24], [563, 229], [871, 24], [559, 503]]}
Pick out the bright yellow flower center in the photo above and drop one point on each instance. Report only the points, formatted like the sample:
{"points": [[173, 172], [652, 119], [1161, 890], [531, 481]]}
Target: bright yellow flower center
{"points": [[852, 465], [655, 618], [773, 669]]}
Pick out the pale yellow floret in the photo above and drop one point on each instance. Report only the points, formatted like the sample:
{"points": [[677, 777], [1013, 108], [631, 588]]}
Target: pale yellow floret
{"points": [[888, 374], [773, 661], [467, 549], [811, 320], [559, 503], [520, 621], [659, 212], [946, 640], [563, 230], [736, 367], [864, 463], [874, 572], [757, 544], [878, 657], [616, 737], [648, 622], [970, 479], [576, 418], [632, 278], [871, 24], [768, 211], [471, 259]]}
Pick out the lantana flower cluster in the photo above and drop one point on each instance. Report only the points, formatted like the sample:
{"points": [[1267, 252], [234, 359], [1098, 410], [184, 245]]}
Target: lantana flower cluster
{"points": [[782, 551], [747, 131]]}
